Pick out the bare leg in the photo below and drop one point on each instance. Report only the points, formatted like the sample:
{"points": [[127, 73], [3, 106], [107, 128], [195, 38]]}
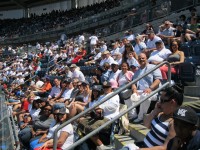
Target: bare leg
{"points": [[95, 139]]}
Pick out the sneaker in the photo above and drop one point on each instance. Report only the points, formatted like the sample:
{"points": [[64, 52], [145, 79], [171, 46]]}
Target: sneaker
{"points": [[104, 147], [137, 121]]}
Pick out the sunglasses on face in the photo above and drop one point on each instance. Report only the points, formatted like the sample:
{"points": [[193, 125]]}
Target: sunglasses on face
{"points": [[58, 115], [47, 109], [164, 100]]}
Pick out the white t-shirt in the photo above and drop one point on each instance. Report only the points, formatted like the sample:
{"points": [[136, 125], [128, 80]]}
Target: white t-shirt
{"points": [[159, 56], [114, 51], [93, 40], [78, 74], [39, 84], [68, 128], [139, 48], [111, 106], [151, 43], [33, 112], [67, 94], [114, 75]]}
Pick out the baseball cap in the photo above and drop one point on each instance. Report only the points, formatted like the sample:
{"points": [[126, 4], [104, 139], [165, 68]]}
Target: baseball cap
{"points": [[159, 42], [149, 31], [186, 114], [63, 110], [85, 82], [73, 66], [97, 87], [114, 63], [68, 80]]}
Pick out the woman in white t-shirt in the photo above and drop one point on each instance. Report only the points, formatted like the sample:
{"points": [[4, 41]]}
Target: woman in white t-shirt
{"points": [[65, 135]]}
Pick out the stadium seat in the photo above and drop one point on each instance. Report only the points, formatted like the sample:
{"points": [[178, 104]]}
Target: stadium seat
{"points": [[185, 47], [187, 72]]}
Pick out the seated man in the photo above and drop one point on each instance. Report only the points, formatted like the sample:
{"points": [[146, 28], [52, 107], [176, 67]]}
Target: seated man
{"points": [[43, 91], [160, 54], [55, 90], [108, 110], [146, 85]]}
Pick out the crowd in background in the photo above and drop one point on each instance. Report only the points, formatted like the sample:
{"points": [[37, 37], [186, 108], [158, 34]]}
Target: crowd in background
{"points": [[47, 88], [51, 21]]}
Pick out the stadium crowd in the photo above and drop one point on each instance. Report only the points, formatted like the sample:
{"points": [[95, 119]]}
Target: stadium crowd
{"points": [[53, 20], [47, 88]]}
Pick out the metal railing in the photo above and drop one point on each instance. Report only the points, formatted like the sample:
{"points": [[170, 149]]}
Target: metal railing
{"points": [[168, 83], [8, 135]]}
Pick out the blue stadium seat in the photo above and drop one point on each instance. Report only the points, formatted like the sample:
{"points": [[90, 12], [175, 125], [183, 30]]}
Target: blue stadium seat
{"points": [[185, 47]]}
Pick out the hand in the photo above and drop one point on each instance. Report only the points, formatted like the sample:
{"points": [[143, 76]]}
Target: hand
{"points": [[14, 113], [23, 126], [43, 146], [147, 91], [37, 133], [157, 109]]}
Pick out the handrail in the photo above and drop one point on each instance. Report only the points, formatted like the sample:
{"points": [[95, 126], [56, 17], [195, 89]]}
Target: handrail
{"points": [[108, 97]]}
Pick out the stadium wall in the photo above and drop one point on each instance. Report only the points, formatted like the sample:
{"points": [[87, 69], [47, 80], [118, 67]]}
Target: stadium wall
{"points": [[12, 14]]}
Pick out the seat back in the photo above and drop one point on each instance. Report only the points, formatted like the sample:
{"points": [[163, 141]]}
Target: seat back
{"points": [[187, 72]]}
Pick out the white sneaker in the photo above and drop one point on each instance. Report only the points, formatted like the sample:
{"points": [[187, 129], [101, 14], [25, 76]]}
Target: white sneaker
{"points": [[104, 147]]}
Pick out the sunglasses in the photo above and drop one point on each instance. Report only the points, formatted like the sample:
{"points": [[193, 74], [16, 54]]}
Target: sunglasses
{"points": [[47, 109], [164, 100], [58, 115]]}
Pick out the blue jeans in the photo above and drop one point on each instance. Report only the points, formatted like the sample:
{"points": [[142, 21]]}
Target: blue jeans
{"points": [[13, 100], [58, 105]]}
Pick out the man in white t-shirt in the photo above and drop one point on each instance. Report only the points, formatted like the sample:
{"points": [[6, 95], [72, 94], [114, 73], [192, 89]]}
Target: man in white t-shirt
{"points": [[77, 73], [115, 71], [152, 39], [115, 48], [93, 40], [160, 54], [107, 58], [108, 110]]}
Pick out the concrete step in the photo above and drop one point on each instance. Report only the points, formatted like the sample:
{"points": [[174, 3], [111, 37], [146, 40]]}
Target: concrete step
{"points": [[193, 91], [138, 131], [190, 98], [198, 80], [122, 140]]}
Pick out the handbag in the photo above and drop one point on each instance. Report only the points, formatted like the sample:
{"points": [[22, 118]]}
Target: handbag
{"points": [[126, 94], [97, 114]]}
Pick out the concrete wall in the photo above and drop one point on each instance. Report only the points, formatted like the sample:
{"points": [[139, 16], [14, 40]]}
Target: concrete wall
{"points": [[12, 14]]}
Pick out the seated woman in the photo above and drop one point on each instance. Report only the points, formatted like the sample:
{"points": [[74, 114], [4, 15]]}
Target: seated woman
{"points": [[38, 127], [160, 120], [65, 135], [78, 106], [125, 76], [175, 58]]}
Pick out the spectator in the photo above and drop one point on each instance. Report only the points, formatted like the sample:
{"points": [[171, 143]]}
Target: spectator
{"points": [[175, 58], [55, 90], [115, 71], [125, 75], [152, 39], [128, 48], [140, 46], [76, 73], [160, 54], [160, 120], [146, 85], [131, 60], [109, 110], [65, 134], [107, 58]]}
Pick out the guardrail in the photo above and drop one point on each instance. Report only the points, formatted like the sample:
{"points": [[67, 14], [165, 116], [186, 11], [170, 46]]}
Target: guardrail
{"points": [[7, 127], [168, 83]]}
